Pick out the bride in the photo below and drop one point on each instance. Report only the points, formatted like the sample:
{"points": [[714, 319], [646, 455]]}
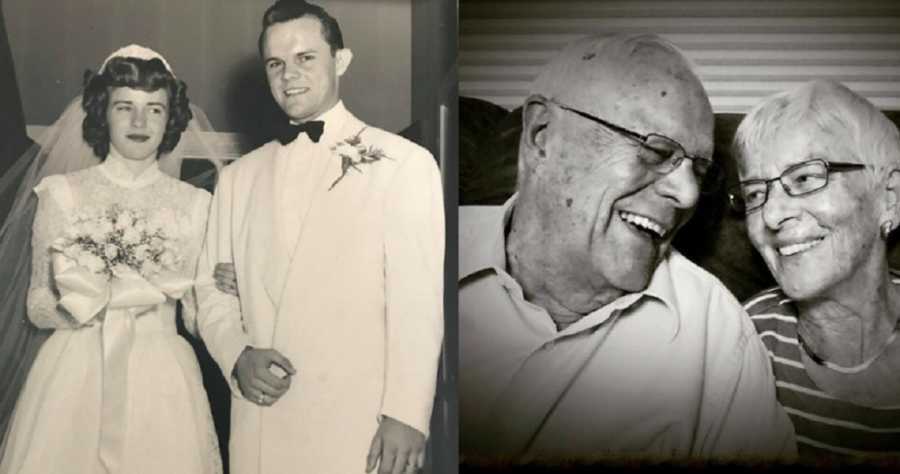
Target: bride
{"points": [[115, 388]]}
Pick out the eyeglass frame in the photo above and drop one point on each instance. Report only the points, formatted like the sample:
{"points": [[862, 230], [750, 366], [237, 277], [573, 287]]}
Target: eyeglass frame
{"points": [[736, 192], [713, 170]]}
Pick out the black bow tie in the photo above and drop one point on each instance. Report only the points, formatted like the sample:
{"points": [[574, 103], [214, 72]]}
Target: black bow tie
{"points": [[289, 132]]}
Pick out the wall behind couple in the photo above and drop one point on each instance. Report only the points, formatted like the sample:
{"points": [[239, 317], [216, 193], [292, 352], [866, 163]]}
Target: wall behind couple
{"points": [[211, 44]]}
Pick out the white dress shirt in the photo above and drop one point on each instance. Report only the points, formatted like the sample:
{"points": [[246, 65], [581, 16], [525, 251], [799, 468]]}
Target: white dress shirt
{"points": [[674, 371]]}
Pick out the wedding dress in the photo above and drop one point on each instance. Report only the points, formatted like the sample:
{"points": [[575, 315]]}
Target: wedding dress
{"points": [[164, 424]]}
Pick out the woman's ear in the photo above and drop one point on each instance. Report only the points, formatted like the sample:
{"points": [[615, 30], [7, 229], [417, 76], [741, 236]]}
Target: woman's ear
{"points": [[535, 119]]}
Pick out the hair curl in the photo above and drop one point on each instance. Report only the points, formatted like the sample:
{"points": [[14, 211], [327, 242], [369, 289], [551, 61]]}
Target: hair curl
{"points": [[287, 10], [146, 75]]}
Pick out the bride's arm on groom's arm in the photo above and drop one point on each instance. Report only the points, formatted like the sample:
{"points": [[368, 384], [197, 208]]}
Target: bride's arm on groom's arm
{"points": [[49, 223], [219, 320]]}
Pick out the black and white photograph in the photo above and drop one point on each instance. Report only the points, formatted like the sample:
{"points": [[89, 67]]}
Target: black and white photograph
{"points": [[225, 227], [441, 236], [677, 233]]}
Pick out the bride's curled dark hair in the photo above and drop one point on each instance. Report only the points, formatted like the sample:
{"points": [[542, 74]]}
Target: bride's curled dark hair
{"points": [[146, 75]]}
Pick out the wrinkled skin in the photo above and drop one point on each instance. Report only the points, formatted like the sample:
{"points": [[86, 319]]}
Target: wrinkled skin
{"points": [[569, 245], [846, 214]]}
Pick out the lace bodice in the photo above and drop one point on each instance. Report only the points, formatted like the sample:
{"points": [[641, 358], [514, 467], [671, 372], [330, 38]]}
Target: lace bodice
{"points": [[102, 186]]}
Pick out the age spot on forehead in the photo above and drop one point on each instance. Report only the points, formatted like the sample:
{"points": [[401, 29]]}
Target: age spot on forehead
{"points": [[588, 56], [663, 93], [568, 202]]}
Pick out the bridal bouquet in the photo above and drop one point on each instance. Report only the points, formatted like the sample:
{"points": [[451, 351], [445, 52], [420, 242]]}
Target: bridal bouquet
{"points": [[123, 261], [117, 241]]}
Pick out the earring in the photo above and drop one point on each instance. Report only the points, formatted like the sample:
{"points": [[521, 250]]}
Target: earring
{"points": [[886, 228]]}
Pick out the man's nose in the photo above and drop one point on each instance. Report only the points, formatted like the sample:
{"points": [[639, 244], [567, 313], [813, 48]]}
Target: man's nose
{"points": [[290, 70], [680, 185]]}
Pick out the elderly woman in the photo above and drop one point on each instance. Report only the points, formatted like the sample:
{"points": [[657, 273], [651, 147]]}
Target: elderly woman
{"points": [[820, 186]]}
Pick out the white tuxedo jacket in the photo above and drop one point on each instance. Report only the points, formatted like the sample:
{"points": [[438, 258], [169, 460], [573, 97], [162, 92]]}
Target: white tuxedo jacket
{"points": [[342, 276]]}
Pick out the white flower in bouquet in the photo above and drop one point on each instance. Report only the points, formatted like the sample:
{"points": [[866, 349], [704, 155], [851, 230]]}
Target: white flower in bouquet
{"points": [[110, 251], [168, 260], [124, 219], [96, 236], [104, 226], [141, 252], [131, 236]]}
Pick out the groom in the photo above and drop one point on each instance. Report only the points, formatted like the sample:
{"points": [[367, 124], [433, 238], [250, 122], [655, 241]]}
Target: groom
{"points": [[336, 234]]}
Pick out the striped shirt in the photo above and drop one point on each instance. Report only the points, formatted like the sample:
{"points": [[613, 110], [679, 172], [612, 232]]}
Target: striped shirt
{"points": [[827, 428]]}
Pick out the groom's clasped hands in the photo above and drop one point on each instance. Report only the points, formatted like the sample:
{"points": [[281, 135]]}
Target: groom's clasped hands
{"points": [[254, 367], [395, 448], [255, 376]]}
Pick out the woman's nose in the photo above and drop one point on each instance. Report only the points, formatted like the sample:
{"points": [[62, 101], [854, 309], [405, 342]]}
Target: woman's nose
{"points": [[138, 118], [779, 206]]}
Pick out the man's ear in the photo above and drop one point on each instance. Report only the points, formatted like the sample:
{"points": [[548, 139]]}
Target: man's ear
{"points": [[535, 119], [892, 197], [342, 58]]}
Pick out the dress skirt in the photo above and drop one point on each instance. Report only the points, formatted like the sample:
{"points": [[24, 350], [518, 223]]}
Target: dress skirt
{"points": [[57, 420]]}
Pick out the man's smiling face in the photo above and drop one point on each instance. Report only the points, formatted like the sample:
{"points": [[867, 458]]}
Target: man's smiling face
{"points": [[609, 217], [303, 73]]}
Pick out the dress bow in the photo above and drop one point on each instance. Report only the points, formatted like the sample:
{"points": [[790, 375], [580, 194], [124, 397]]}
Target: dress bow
{"points": [[123, 297]]}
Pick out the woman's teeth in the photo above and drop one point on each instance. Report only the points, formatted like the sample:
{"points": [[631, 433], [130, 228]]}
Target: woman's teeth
{"points": [[797, 248]]}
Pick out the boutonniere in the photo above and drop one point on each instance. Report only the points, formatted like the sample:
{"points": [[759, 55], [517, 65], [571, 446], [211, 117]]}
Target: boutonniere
{"points": [[354, 153]]}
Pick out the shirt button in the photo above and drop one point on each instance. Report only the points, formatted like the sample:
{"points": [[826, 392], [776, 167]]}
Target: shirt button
{"points": [[548, 346]]}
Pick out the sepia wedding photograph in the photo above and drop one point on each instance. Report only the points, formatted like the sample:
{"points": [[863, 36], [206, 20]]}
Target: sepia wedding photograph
{"points": [[224, 234]]}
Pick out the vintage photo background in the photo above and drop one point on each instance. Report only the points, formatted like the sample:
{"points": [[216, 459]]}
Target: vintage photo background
{"points": [[402, 79]]}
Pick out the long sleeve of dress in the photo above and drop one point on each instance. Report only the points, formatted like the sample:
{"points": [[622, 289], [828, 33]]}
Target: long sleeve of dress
{"points": [[49, 223], [192, 248], [414, 257], [219, 320]]}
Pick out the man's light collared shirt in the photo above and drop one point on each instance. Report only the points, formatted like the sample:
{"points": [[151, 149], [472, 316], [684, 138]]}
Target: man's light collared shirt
{"points": [[675, 370]]}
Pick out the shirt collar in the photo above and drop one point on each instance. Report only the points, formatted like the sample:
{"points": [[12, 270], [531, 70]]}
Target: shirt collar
{"points": [[116, 169], [491, 254]]}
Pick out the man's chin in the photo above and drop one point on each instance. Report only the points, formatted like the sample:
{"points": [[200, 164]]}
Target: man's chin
{"points": [[637, 277], [635, 283]]}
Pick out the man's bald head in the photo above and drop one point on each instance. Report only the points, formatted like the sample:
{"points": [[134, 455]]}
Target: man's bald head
{"points": [[611, 75]]}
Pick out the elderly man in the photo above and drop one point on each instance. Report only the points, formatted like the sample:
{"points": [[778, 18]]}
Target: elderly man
{"points": [[583, 333]]}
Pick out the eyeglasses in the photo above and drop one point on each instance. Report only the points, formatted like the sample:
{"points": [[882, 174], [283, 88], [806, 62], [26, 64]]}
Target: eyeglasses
{"points": [[665, 154], [802, 178]]}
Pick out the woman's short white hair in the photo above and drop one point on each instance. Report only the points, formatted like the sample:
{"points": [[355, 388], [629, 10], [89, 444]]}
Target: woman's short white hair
{"points": [[832, 108]]}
